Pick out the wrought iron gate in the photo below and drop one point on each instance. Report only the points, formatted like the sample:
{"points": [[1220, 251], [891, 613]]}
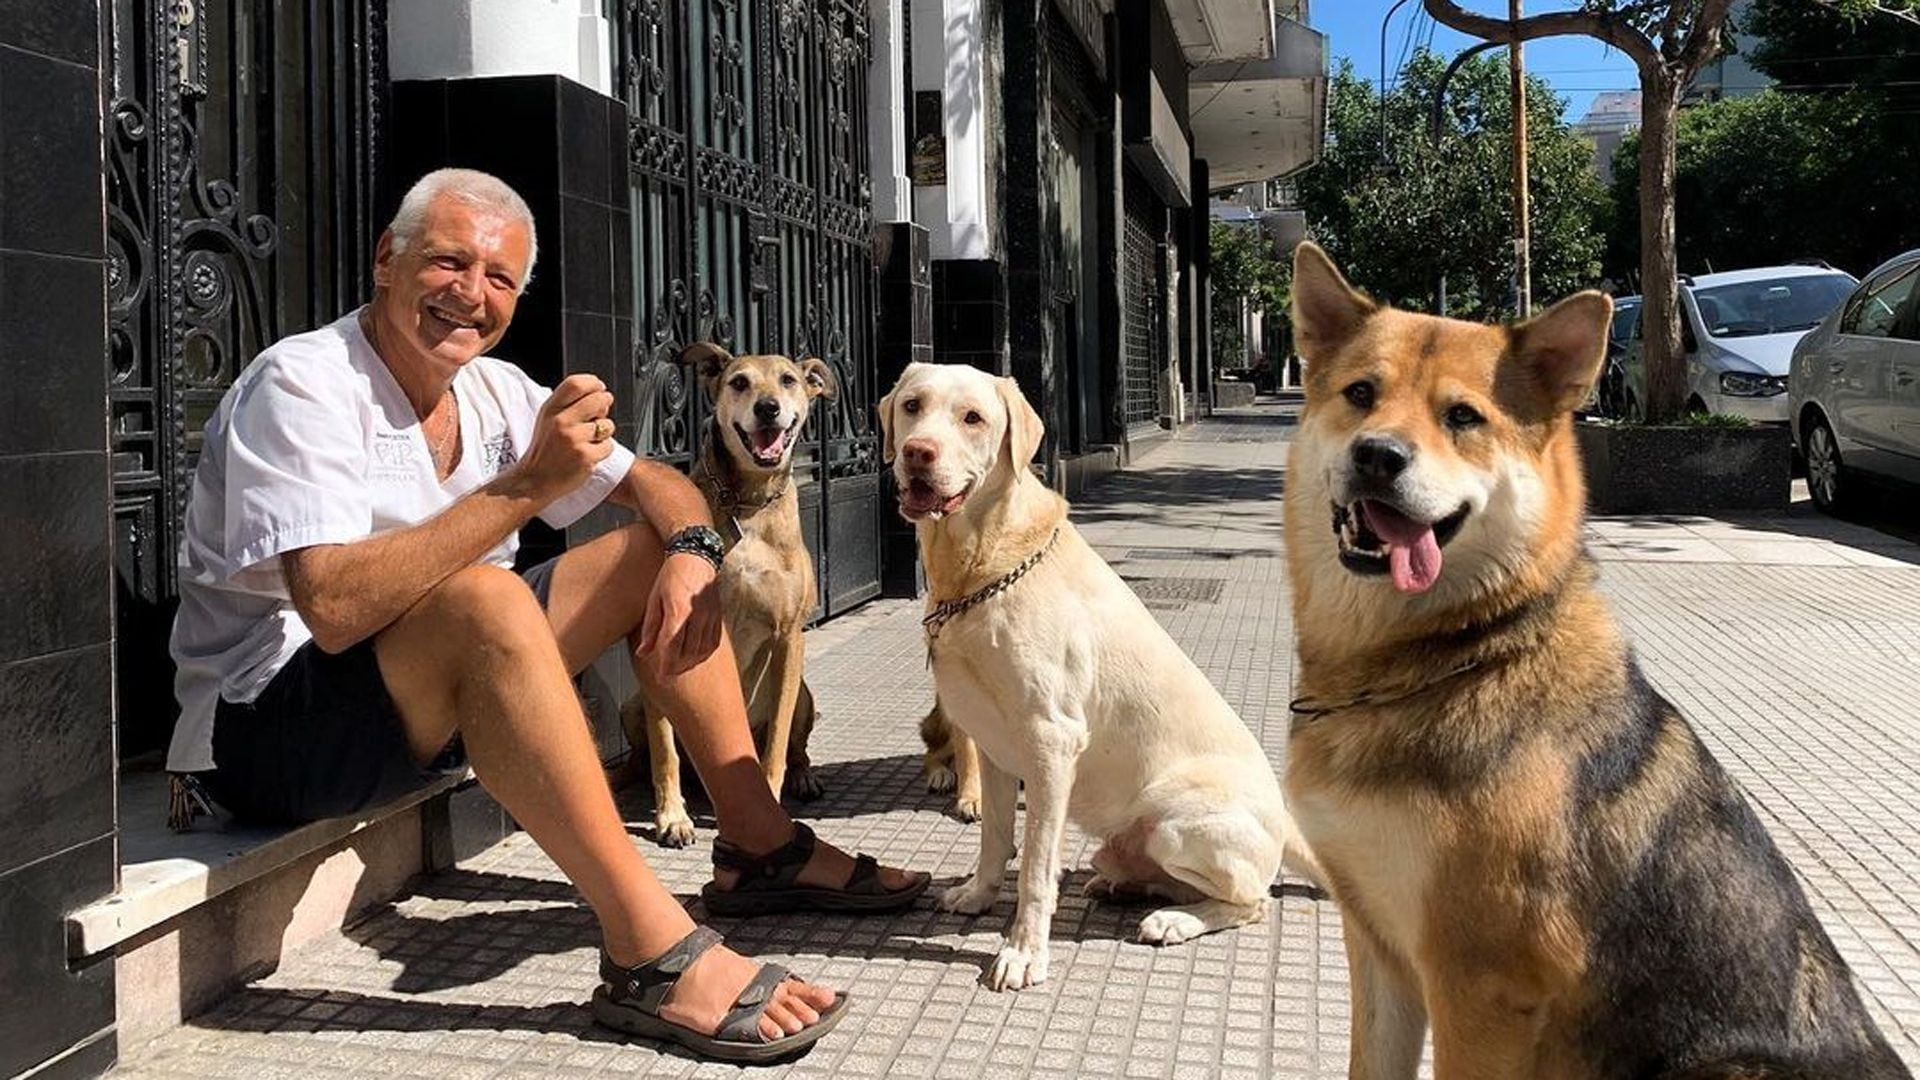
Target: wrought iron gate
{"points": [[750, 201], [242, 157]]}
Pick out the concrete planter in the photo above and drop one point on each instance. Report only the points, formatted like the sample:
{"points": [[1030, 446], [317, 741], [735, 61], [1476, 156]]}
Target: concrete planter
{"points": [[1227, 394], [1685, 470]]}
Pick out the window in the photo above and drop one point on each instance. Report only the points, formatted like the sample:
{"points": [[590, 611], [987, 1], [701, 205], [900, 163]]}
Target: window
{"points": [[1624, 318], [1877, 309], [1770, 306]]}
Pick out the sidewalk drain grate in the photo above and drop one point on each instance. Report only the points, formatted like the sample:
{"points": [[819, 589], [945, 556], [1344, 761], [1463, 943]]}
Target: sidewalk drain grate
{"points": [[1173, 553], [1196, 590]]}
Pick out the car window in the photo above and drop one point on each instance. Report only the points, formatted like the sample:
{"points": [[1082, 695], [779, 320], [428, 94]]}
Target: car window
{"points": [[1770, 306], [1623, 320], [1877, 309]]}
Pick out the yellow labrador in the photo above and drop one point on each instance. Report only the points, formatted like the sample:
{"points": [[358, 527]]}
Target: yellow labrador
{"points": [[1066, 682]]}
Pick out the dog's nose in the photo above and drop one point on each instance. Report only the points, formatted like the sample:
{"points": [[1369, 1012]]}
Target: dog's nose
{"points": [[920, 452], [1381, 457], [766, 410]]}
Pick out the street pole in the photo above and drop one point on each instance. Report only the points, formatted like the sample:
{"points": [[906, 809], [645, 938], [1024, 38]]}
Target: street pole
{"points": [[1391, 12], [1522, 255]]}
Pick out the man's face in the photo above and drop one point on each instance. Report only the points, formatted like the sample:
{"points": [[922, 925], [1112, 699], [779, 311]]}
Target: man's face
{"points": [[450, 295]]}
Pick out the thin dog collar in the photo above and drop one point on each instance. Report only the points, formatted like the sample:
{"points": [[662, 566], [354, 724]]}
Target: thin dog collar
{"points": [[946, 610], [1306, 710]]}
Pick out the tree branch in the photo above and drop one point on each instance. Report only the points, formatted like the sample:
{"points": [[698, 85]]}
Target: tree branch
{"points": [[1903, 10], [1705, 36], [1608, 27]]}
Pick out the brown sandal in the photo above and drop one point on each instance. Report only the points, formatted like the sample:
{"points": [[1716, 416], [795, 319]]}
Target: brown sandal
{"points": [[768, 884]]}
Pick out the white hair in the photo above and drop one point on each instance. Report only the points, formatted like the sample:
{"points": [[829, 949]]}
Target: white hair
{"points": [[482, 190]]}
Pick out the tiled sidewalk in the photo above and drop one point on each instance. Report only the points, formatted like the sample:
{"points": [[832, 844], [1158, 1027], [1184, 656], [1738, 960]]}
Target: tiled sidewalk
{"points": [[1792, 644]]}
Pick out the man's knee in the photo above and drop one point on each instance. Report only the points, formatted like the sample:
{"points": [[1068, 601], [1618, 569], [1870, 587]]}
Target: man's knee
{"points": [[490, 603]]}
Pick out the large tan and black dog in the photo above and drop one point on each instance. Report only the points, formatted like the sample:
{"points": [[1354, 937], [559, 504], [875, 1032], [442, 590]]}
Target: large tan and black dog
{"points": [[745, 469], [1531, 849]]}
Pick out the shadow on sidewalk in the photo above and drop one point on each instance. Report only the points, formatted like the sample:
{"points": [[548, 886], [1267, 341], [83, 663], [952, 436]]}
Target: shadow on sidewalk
{"points": [[1120, 496]]}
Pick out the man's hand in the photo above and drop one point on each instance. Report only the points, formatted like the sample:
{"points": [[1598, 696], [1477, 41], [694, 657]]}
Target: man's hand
{"points": [[571, 436], [684, 618]]}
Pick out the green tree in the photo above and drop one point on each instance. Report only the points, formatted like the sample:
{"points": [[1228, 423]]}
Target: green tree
{"points": [[1397, 210], [1820, 168], [1243, 275], [1669, 41], [1778, 177]]}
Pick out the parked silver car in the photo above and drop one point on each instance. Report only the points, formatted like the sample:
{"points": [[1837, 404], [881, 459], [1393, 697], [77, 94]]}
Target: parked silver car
{"points": [[1855, 386], [1738, 329]]}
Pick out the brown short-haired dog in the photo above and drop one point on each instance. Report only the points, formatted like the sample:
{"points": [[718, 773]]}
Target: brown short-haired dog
{"points": [[745, 469], [1530, 847]]}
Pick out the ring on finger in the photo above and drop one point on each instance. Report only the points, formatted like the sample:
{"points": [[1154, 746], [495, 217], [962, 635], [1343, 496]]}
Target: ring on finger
{"points": [[602, 429]]}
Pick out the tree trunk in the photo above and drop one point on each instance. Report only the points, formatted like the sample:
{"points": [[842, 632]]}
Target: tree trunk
{"points": [[1659, 262]]}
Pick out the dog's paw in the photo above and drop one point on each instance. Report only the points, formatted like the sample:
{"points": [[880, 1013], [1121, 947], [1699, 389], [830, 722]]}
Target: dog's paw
{"points": [[1171, 926], [941, 779], [1100, 888], [966, 810], [969, 897], [804, 785], [1017, 968], [673, 830]]}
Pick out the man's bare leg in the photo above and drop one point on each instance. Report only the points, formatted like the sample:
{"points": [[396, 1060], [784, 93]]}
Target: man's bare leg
{"points": [[476, 656], [598, 596]]}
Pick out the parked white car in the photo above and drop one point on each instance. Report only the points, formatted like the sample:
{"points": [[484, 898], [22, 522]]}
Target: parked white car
{"points": [[1855, 387], [1739, 329]]}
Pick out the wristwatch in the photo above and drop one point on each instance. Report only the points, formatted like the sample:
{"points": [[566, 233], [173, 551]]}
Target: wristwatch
{"points": [[698, 540]]}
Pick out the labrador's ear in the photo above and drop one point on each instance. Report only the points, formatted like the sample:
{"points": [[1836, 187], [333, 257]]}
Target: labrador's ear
{"points": [[1024, 429], [705, 358], [820, 380], [885, 409]]}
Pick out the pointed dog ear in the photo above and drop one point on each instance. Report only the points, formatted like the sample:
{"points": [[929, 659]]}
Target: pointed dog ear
{"points": [[1562, 348], [820, 380], [705, 358], [1024, 428], [1326, 310]]}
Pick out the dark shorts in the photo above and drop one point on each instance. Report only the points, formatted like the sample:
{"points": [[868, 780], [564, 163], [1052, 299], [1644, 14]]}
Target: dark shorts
{"points": [[323, 739]]}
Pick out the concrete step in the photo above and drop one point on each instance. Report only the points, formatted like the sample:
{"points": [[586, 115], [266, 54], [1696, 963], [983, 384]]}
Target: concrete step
{"points": [[201, 912]]}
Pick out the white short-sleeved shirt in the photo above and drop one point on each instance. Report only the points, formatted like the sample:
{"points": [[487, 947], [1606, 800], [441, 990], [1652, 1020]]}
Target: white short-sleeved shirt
{"points": [[315, 443]]}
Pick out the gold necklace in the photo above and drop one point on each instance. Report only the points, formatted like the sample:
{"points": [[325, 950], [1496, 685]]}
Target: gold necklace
{"points": [[444, 446]]}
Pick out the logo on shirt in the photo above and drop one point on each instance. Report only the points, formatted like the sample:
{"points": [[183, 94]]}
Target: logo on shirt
{"points": [[393, 452], [497, 455]]}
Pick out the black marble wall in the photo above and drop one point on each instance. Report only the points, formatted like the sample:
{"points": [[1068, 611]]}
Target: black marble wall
{"points": [[970, 313], [563, 147], [56, 662]]}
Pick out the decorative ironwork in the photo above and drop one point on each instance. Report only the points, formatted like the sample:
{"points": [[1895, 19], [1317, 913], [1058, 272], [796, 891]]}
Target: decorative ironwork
{"points": [[200, 273], [750, 188]]}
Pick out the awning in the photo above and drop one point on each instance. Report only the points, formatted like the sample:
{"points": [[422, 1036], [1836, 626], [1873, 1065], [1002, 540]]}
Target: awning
{"points": [[1256, 119]]}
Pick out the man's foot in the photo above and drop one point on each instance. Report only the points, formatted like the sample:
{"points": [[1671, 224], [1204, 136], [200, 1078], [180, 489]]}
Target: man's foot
{"points": [[706, 993], [716, 1002], [800, 872]]}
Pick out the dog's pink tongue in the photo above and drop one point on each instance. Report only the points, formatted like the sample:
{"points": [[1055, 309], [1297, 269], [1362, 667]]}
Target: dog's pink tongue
{"points": [[1413, 554]]}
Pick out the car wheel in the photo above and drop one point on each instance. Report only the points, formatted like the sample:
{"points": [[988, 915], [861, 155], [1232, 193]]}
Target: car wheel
{"points": [[1695, 406], [1826, 477]]}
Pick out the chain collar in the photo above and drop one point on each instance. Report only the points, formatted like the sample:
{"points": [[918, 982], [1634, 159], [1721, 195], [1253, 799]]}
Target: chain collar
{"points": [[947, 610], [727, 502]]}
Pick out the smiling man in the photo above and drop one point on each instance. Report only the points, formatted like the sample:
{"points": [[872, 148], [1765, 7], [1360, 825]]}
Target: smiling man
{"points": [[350, 623]]}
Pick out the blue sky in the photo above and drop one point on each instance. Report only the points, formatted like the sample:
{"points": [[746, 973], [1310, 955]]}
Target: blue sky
{"points": [[1578, 67]]}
